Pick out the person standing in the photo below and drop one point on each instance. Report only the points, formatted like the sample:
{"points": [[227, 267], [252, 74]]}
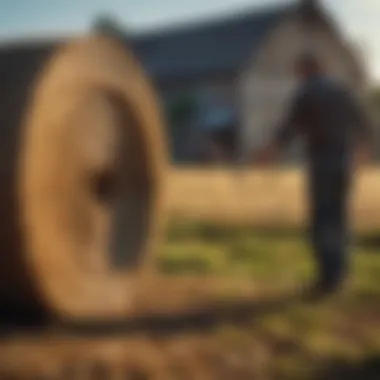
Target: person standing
{"points": [[337, 131]]}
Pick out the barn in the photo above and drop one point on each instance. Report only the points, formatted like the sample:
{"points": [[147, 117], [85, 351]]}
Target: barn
{"points": [[232, 76], [224, 82]]}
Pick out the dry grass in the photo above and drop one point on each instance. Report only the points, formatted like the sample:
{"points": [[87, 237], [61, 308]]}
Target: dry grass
{"points": [[262, 198]]}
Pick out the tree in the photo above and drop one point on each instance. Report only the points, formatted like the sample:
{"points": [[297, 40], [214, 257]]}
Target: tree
{"points": [[110, 26], [373, 102], [182, 110], [373, 107]]}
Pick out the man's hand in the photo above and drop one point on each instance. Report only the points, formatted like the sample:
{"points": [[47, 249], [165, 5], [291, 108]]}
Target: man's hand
{"points": [[363, 156], [266, 156]]}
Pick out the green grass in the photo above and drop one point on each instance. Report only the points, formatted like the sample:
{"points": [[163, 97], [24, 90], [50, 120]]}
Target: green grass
{"points": [[302, 340]]}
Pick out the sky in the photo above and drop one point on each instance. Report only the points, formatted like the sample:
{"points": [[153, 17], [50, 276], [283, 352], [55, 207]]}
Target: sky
{"points": [[359, 19]]}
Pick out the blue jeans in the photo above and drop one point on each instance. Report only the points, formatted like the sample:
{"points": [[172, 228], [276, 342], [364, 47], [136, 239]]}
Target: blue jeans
{"points": [[329, 226]]}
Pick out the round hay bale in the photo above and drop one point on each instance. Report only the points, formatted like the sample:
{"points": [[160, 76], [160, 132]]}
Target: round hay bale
{"points": [[85, 183]]}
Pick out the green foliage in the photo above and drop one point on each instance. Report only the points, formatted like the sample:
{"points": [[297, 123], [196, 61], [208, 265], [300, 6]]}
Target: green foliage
{"points": [[271, 256], [237, 250], [373, 102], [181, 110], [110, 26]]}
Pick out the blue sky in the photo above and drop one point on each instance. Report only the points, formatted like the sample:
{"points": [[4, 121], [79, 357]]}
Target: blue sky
{"points": [[358, 18]]}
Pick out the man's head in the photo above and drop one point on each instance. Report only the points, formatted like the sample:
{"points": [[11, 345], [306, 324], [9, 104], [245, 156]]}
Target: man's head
{"points": [[307, 65]]}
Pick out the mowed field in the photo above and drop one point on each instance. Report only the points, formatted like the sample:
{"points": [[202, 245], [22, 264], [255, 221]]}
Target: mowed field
{"points": [[264, 198], [232, 260]]}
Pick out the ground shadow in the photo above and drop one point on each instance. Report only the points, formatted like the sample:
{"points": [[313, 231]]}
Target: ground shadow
{"points": [[211, 232], [367, 369], [237, 312], [369, 241], [234, 312]]}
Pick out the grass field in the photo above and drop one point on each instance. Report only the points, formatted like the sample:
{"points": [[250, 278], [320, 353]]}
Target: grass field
{"points": [[234, 250], [299, 340], [254, 232], [263, 198], [274, 336]]}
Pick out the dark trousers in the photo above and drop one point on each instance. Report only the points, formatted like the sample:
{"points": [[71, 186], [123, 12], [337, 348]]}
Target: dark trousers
{"points": [[329, 225]]}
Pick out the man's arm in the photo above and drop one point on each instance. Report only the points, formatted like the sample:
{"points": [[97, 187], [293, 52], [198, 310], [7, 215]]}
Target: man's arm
{"points": [[287, 131]]}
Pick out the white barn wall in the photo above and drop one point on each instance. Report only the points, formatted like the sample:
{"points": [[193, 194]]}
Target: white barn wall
{"points": [[267, 85]]}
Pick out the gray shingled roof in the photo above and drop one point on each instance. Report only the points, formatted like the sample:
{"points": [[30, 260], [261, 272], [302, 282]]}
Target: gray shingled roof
{"points": [[212, 47]]}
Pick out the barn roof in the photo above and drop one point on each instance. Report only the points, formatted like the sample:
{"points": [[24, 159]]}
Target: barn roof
{"points": [[208, 47]]}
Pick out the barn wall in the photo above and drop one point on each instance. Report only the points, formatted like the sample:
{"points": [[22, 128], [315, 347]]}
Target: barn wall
{"points": [[267, 86]]}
